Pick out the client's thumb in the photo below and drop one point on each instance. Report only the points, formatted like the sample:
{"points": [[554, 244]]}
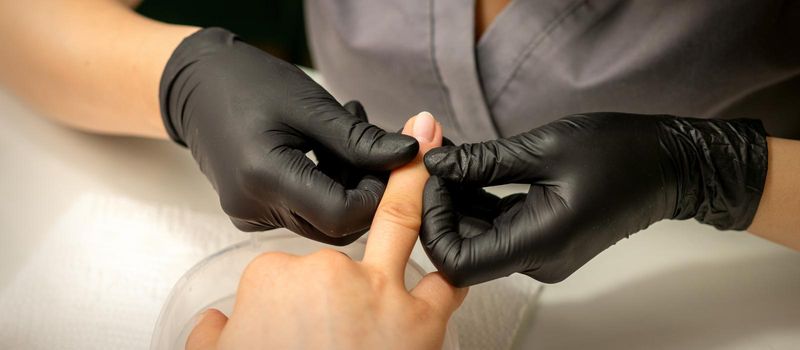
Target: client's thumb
{"points": [[206, 333]]}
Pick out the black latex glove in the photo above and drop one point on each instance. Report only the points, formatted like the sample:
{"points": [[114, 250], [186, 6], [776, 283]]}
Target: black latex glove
{"points": [[249, 119], [595, 179]]}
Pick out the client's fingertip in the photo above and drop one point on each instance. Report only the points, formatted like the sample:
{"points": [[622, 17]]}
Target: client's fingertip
{"points": [[424, 129]]}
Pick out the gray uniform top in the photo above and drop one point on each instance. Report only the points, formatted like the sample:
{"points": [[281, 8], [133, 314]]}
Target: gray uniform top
{"points": [[544, 59]]}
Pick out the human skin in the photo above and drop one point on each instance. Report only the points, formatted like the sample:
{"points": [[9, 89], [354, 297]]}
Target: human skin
{"points": [[96, 65], [328, 301], [90, 64], [778, 215], [485, 13]]}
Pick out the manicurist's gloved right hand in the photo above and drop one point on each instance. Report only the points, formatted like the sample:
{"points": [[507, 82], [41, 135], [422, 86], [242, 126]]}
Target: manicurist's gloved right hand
{"points": [[594, 179], [249, 118]]}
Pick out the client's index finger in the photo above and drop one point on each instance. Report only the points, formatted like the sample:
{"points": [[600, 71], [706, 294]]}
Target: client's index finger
{"points": [[395, 227]]}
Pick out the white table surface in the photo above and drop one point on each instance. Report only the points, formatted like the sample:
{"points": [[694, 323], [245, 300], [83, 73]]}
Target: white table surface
{"points": [[84, 262]]}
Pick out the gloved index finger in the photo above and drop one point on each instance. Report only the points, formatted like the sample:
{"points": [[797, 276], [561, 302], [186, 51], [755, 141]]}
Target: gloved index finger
{"points": [[395, 227]]}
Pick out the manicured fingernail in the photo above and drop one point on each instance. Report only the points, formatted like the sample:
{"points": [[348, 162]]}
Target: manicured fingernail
{"points": [[424, 127]]}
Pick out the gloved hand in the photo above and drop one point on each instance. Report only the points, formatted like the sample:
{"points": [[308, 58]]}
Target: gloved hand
{"points": [[595, 179], [249, 119]]}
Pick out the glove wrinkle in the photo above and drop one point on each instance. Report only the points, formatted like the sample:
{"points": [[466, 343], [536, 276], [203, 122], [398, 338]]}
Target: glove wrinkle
{"points": [[249, 119], [722, 176], [595, 179]]}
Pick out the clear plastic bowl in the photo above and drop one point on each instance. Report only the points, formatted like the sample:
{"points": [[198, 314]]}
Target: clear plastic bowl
{"points": [[213, 282]]}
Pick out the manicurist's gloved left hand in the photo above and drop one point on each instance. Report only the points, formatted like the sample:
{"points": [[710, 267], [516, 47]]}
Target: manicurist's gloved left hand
{"points": [[595, 179], [249, 118]]}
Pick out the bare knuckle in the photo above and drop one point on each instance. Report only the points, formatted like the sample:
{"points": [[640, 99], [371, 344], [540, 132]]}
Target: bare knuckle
{"points": [[334, 260], [330, 267], [332, 256], [265, 263]]}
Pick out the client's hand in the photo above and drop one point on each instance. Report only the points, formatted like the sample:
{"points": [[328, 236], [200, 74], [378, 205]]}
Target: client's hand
{"points": [[327, 301]]}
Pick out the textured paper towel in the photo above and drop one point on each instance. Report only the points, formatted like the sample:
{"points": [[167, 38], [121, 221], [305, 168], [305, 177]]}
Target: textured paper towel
{"points": [[99, 278], [493, 313]]}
